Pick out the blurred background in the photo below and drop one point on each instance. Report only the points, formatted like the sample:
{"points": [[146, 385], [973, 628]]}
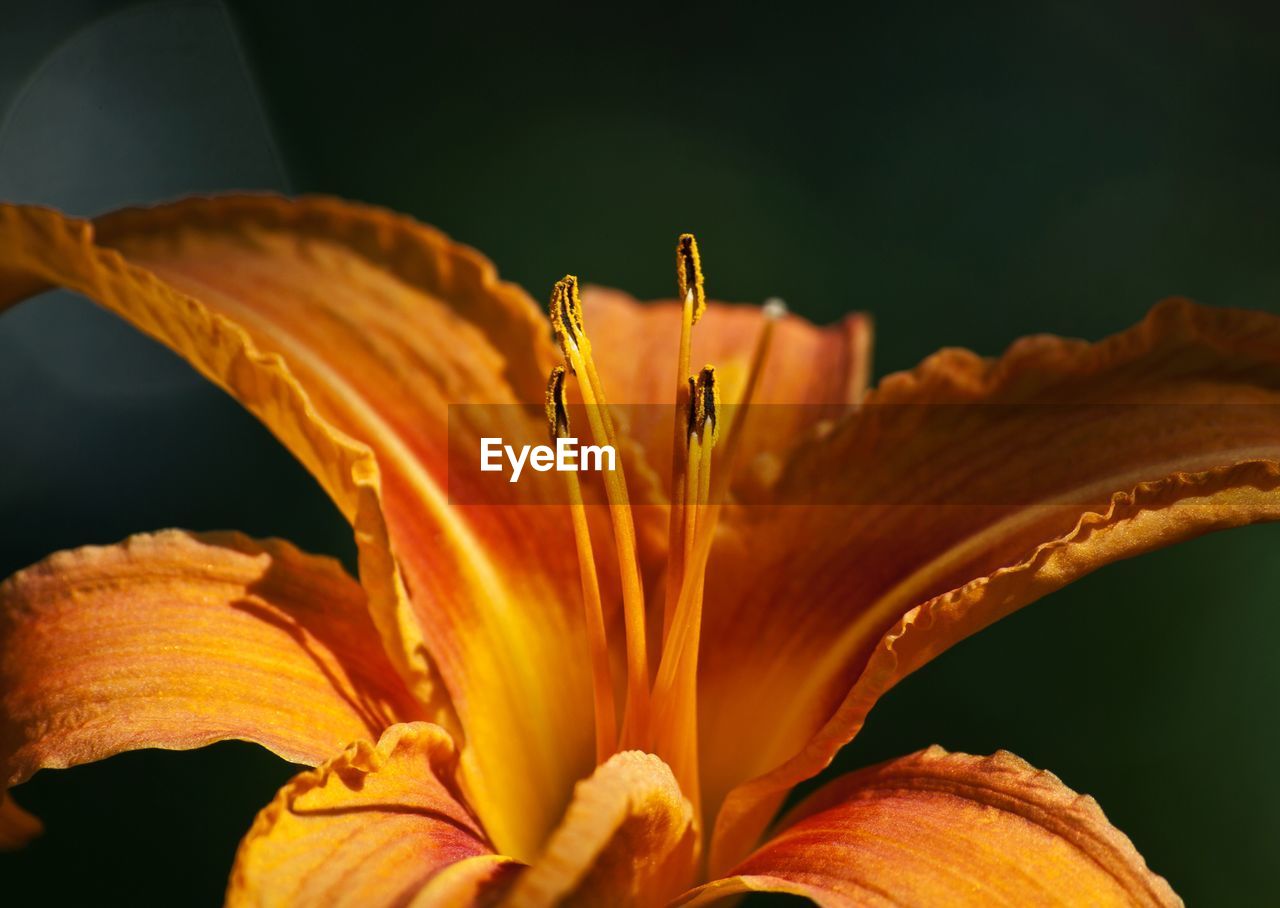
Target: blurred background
{"points": [[968, 176]]}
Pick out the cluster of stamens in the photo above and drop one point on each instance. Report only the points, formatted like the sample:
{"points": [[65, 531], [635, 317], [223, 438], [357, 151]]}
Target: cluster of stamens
{"points": [[660, 711]]}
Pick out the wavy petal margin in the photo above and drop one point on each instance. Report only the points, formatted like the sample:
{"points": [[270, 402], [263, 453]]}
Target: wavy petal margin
{"points": [[176, 641], [348, 331], [627, 839], [966, 513], [371, 827], [937, 828]]}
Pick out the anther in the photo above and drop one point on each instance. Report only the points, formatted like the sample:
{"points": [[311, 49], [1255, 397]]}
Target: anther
{"points": [[689, 273], [694, 422], [704, 399], [566, 312], [708, 400], [557, 407]]}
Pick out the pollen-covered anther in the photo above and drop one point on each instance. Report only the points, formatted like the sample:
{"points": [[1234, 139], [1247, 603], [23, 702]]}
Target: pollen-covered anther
{"points": [[689, 273], [706, 402], [557, 405], [566, 312]]}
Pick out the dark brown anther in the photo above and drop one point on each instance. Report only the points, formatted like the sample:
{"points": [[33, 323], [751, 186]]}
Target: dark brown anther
{"points": [[689, 273], [557, 405]]}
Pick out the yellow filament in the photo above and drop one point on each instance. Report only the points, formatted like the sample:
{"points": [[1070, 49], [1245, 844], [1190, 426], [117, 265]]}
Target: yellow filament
{"points": [[679, 437], [693, 293], [675, 728], [693, 461], [566, 315], [662, 719], [675, 691], [689, 279], [593, 613], [602, 679]]}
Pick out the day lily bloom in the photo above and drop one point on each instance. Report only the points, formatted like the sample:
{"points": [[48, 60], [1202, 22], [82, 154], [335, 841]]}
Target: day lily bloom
{"points": [[571, 702]]}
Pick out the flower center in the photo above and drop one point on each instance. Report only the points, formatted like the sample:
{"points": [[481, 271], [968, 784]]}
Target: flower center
{"points": [[660, 713]]}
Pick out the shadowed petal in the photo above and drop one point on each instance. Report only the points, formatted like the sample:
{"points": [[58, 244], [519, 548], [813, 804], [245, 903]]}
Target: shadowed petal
{"points": [[627, 839], [936, 828], [17, 827], [348, 331], [175, 641], [957, 494], [370, 827]]}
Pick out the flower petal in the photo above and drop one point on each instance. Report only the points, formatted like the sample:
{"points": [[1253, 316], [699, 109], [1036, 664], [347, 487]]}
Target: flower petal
{"points": [[176, 641], [481, 880], [816, 372], [17, 827], [945, 513], [349, 331], [627, 839], [370, 827], [936, 828]]}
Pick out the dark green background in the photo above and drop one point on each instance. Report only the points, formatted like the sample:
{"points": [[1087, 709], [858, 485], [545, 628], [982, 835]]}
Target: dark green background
{"points": [[967, 175]]}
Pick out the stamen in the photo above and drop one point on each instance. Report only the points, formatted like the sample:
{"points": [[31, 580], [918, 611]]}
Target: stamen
{"points": [[566, 319], [697, 497], [708, 412], [597, 642], [675, 688], [702, 413], [693, 294], [689, 484], [675, 729]]}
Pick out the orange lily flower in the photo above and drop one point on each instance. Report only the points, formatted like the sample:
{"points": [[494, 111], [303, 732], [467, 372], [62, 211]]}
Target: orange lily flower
{"points": [[498, 710]]}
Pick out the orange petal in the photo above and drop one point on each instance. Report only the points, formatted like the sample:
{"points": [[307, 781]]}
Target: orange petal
{"points": [[480, 881], [627, 839], [370, 827], [984, 485], [936, 828], [176, 641], [349, 331], [17, 827]]}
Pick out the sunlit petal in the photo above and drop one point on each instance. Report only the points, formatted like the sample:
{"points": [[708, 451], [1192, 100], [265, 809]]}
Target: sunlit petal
{"points": [[627, 839], [349, 331], [370, 827], [176, 641]]}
